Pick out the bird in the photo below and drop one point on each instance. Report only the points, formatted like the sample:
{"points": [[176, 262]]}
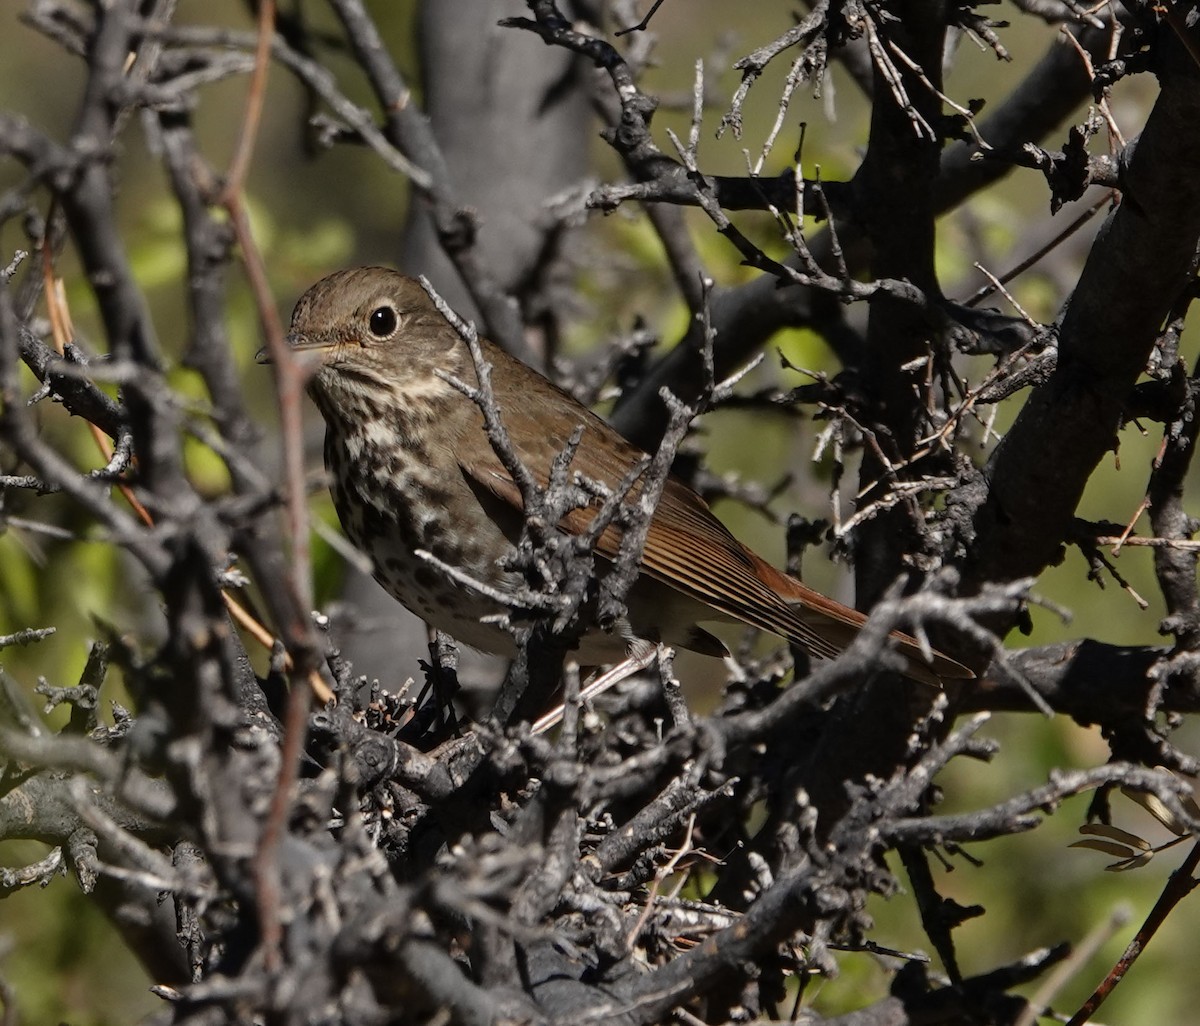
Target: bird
{"points": [[419, 488]]}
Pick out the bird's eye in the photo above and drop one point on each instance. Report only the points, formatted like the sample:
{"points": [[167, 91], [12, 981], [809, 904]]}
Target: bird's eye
{"points": [[382, 322]]}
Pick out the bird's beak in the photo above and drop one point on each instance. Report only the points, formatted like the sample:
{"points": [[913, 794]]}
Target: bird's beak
{"points": [[296, 344]]}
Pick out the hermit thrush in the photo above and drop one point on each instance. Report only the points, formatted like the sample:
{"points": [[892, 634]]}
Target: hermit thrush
{"points": [[414, 472]]}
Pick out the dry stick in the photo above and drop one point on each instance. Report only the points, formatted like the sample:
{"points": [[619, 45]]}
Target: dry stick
{"points": [[1118, 541], [797, 73], [1179, 885], [895, 82], [999, 286], [982, 294], [1080, 955], [62, 332], [1113, 128], [684, 849], [967, 116], [1144, 505], [239, 166], [289, 375], [643, 24], [997, 283], [289, 382]]}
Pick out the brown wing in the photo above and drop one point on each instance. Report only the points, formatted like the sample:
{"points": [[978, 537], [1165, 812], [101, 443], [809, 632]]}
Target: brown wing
{"points": [[687, 547]]}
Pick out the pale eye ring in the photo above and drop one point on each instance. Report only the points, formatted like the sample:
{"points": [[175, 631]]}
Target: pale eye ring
{"points": [[383, 321]]}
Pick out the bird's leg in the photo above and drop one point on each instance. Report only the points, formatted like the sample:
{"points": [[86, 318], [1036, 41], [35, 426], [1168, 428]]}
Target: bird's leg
{"points": [[642, 656]]}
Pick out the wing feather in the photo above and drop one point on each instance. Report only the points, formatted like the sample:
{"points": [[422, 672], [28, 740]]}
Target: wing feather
{"points": [[687, 547]]}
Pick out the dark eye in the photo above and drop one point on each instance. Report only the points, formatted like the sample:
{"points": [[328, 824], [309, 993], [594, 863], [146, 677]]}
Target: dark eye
{"points": [[382, 322]]}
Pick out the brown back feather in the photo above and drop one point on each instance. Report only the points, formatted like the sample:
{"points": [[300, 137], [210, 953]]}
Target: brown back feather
{"points": [[687, 547]]}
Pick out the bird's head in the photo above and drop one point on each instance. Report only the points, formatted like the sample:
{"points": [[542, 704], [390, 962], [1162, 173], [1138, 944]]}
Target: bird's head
{"points": [[372, 328]]}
